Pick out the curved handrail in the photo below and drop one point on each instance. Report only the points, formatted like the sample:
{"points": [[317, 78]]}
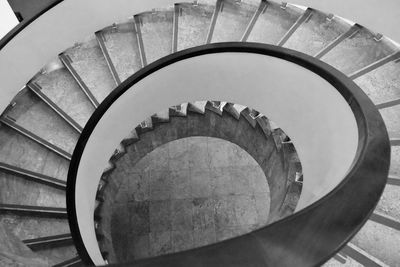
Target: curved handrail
{"points": [[24, 23], [306, 238]]}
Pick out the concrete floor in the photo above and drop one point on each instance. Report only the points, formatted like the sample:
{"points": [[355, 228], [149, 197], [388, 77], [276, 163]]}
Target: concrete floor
{"points": [[187, 193]]}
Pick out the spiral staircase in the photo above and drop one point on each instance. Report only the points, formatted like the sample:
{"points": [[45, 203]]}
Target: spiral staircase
{"points": [[41, 126]]}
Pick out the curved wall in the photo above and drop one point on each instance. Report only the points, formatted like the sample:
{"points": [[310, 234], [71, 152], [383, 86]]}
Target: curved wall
{"points": [[325, 133], [72, 20]]}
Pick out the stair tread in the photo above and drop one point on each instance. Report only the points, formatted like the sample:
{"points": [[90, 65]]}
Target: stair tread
{"points": [[193, 24], [358, 51], [395, 161], [25, 227], [31, 113], [316, 33], [379, 241], [232, 20], [61, 88], [197, 106], [58, 254], [20, 191], [389, 203], [359, 257], [122, 46], [391, 117], [75, 261], [381, 84], [19, 151], [273, 23], [16, 253], [89, 62], [156, 30]]}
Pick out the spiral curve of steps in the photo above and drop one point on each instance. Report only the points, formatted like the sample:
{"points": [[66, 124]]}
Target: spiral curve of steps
{"points": [[42, 124]]}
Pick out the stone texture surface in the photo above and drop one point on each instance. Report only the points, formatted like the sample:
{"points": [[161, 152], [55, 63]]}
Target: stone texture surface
{"points": [[316, 33], [232, 21], [58, 254], [122, 46], [395, 161], [20, 151], [156, 31], [193, 24], [380, 241], [20, 191], [358, 51], [381, 84], [90, 64], [34, 227], [15, 253], [390, 202], [37, 117], [272, 25], [64, 91], [218, 192], [391, 117]]}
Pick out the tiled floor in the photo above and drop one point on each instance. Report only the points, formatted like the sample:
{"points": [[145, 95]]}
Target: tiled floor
{"points": [[188, 193]]}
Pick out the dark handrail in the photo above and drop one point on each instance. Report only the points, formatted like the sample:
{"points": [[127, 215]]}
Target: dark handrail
{"points": [[307, 238], [24, 23]]}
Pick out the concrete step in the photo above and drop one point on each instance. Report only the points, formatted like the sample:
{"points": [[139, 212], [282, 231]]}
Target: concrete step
{"points": [[391, 117], [395, 162], [75, 261], [58, 254], [197, 107], [232, 110], [131, 138], [16, 253], [178, 110], [193, 22], [274, 21], [31, 113], [357, 51], [215, 106], [379, 241], [232, 19], [33, 176], [355, 256], [122, 48], [38, 211], [42, 242], [88, 61], [156, 30], [390, 202], [162, 116], [62, 89], [37, 91], [19, 151], [9, 122], [316, 32], [381, 83], [15, 189]]}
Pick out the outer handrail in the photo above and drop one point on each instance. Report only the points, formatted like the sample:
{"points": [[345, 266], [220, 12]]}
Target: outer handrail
{"points": [[24, 23], [307, 238]]}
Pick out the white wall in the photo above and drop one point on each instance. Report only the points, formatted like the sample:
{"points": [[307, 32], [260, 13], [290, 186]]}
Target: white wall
{"points": [[311, 111], [8, 20]]}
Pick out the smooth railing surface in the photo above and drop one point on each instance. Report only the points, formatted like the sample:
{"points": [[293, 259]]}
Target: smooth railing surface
{"points": [[338, 133]]}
